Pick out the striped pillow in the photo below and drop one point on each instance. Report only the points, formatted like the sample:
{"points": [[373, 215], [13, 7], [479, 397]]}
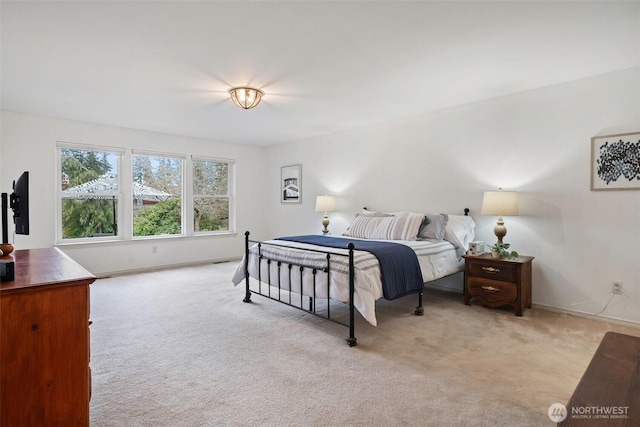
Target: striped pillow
{"points": [[403, 227]]}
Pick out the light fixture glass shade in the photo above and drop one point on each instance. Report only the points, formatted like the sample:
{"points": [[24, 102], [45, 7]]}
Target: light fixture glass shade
{"points": [[245, 97], [500, 203], [325, 204]]}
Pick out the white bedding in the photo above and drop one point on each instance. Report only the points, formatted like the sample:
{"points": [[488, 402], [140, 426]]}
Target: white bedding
{"points": [[437, 259]]}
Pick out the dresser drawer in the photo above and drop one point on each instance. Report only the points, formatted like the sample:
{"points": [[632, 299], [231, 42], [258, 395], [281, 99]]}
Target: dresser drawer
{"points": [[491, 290], [493, 270]]}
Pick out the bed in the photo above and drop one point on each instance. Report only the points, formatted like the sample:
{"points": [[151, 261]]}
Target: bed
{"points": [[382, 255]]}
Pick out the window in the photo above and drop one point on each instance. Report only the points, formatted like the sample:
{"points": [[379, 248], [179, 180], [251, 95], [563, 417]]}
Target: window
{"points": [[157, 195], [211, 195], [108, 193], [89, 192]]}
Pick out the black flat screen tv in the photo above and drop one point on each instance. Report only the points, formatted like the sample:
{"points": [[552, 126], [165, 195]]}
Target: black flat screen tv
{"points": [[20, 203]]}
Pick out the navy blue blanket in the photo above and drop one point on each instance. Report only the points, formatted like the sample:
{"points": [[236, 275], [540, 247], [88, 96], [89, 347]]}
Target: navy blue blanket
{"points": [[399, 265]]}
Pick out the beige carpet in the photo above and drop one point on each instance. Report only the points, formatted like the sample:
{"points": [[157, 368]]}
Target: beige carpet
{"points": [[180, 348]]}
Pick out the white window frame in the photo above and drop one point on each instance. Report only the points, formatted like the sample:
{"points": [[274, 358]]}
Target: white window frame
{"points": [[230, 195], [183, 194], [62, 145], [124, 212]]}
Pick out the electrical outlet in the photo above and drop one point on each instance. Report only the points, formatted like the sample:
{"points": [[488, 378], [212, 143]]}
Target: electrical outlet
{"points": [[616, 288]]}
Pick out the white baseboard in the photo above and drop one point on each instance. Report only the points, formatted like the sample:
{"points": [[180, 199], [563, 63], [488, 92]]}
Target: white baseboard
{"points": [[613, 320], [107, 274]]}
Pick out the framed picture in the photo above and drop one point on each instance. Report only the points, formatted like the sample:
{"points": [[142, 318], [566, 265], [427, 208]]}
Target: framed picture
{"points": [[291, 184], [615, 162]]}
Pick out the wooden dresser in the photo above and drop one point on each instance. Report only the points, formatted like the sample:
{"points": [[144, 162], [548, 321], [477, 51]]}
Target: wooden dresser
{"points": [[44, 341], [608, 393]]}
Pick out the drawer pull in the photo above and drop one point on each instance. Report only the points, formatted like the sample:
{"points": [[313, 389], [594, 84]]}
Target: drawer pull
{"points": [[491, 270], [490, 289]]}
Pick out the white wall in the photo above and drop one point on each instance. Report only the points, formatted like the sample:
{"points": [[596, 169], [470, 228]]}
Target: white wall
{"points": [[537, 143], [29, 143]]}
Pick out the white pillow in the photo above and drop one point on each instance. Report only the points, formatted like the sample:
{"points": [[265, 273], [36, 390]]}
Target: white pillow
{"points": [[460, 231], [403, 227]]}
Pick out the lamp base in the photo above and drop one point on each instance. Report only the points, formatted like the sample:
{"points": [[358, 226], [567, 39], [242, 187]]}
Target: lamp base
{"points": [[500, 230], [6, 248], [325, 223]]}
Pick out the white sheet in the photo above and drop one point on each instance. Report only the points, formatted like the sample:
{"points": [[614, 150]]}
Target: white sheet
{"points": [[437, 259]]}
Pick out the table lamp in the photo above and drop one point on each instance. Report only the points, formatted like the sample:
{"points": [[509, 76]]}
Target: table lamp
{"points": [[325, 204], [500, 203]]}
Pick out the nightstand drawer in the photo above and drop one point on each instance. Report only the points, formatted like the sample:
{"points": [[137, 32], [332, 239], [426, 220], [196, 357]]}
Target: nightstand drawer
{"points": [[493, 270], [491, 290]]}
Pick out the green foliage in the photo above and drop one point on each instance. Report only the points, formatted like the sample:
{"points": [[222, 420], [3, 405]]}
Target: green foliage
{"points": [[162, 218], [164, 174], [81, 166], [501, 248], [86, 217]]}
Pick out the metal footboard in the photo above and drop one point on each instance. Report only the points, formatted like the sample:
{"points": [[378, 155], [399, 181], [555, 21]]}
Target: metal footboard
{"points": [[278, 292], [307, 303]]}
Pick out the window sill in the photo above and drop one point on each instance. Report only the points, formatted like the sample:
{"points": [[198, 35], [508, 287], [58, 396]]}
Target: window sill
{"points": [[146, 239]]}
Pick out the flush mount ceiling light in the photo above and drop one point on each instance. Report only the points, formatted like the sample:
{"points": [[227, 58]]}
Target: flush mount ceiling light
{"points": [[245, 97]]}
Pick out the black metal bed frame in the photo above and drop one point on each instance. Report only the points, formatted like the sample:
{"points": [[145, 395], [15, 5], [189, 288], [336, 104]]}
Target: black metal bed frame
{"points": [[325, 269]]}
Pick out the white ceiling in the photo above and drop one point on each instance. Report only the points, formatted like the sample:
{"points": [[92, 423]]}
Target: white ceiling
{"points": [[324, 66]]}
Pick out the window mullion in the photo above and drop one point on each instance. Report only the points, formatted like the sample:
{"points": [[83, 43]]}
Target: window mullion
{"points": [[187, 194], [126, 213]]}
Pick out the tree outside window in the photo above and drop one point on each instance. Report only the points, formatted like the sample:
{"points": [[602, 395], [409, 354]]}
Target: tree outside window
{"points": [[89, 193], [211, 195], [157, 196]]}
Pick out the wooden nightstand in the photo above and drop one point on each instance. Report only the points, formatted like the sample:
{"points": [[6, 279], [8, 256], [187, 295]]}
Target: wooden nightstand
{"points": [[496, 282]]}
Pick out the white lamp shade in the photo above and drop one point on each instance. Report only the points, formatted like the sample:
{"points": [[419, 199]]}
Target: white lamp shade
{"points": [[499, 203], [325, 204]]}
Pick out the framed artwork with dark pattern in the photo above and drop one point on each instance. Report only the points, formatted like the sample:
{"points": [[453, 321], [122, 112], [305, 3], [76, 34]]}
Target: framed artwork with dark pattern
{"points": [[615, 162]]}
